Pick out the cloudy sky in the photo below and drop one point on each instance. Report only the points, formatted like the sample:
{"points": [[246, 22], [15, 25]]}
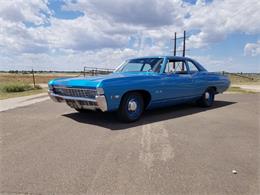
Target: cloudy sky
{"points": [[70, 34]]}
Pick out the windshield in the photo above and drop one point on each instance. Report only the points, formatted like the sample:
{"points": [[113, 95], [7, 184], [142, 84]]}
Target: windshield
{"points": [[141, 65]]}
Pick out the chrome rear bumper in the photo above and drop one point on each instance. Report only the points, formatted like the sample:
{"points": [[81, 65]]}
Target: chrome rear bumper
{"points": [[81, 103]]}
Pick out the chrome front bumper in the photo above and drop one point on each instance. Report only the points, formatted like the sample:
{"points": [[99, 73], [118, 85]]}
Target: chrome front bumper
{"points": [[81, 103]]}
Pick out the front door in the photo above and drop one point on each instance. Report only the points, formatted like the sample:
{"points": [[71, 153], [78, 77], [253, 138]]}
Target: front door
{"points": [[177, 82]]}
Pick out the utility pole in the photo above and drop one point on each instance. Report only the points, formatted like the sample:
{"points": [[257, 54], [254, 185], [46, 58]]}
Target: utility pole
{"points": [[184, 37], [174, 52], [175, 44]]}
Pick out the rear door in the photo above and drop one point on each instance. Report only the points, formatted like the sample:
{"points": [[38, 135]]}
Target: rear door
{"points": [[199, 81]]}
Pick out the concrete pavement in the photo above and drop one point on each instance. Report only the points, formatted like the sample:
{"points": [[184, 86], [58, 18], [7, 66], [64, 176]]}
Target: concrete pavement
{"points": [[17, 102], [48, 148], [253, 88]]}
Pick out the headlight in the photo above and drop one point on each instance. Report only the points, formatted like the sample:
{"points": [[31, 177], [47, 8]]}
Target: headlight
{"points": [[100, 91]]}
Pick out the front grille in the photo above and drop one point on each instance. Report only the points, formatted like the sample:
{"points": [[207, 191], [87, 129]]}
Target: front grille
{"points": [[87, 103], [79, 104], [75, 92]]}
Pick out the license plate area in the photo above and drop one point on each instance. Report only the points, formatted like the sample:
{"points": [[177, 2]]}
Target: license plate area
{"points": [[82, 104]]}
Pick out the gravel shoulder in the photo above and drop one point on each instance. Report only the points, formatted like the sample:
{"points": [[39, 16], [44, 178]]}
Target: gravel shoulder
{"points": [[17, 102]]}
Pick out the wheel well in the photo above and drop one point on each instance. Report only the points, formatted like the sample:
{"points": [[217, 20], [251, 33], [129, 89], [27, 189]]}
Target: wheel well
{"points": [[146, 96], [214, 88]]}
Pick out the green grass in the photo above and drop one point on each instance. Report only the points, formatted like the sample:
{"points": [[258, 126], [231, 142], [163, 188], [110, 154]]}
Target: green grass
{"points": [[9, 90], [14, 87]]}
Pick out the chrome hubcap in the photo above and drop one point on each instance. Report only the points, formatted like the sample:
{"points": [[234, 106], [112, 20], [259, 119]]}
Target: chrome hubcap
{"points": [[132, 106], [207, 95]]}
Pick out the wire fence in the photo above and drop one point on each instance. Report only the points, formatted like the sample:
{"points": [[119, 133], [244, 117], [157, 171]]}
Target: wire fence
{"points": [[242, 75], [39, 77], [96, 71]]}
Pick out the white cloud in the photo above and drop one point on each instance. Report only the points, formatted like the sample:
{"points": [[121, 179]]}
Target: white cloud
{"points": [[35, 11], [220, 18], [252, 49], [104, 58], [148, 13], [109, 24], [15, 38], [212, 63], [82, 34], [112, 30], [109, 58]]}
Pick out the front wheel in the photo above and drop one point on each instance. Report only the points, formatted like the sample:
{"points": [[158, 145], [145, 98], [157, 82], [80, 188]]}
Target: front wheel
{"points": [[207, 98], [131, 107]]}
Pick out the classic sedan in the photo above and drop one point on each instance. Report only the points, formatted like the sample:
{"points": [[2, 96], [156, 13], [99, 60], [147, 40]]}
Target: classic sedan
{"points": [[139, 84]]}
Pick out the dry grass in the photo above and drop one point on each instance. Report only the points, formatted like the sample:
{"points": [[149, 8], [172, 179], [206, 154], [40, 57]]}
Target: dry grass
{"points": [[242, 80], [20, 81], [28, 79], [20, 94], [233, 89]]}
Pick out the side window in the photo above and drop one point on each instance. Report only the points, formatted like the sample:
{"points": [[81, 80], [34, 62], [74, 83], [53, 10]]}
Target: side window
{"points": [[157, 66], [177, 67], [170, 67], [193, 68], [147, 67]]}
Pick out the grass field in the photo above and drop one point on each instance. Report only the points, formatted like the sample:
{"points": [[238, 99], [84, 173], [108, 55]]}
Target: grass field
{"points": [[7, 79], [4, 95], [12, 89], [43, 78], [235, 79], [28, 79], [234, 89]]}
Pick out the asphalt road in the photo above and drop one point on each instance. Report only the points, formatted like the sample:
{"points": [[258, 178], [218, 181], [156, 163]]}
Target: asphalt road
{"points": [[48, 148]]}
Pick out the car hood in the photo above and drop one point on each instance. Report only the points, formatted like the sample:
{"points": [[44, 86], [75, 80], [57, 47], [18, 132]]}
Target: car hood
{"points": [[96, 81]]}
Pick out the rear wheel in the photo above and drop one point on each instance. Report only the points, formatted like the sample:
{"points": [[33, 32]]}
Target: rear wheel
{"points": [[131, 107], [207, 98]]}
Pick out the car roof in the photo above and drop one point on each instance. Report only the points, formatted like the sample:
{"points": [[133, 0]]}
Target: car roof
{"points": [[170, 57], [199, 66]]}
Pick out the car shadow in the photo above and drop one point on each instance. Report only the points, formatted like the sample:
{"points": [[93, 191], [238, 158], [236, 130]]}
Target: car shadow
{"points": [[109, 119]]}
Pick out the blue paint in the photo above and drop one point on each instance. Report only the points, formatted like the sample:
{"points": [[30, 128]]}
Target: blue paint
{"points": [[164, 88]]}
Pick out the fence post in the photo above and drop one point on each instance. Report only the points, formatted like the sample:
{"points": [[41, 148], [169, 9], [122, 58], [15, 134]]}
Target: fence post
{"points": [[33, 78]]}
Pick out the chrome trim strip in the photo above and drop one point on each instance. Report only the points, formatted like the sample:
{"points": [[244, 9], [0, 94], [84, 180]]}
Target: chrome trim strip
{"points": [[100, 100], [72, 98], [75, 92], [74, 88]]}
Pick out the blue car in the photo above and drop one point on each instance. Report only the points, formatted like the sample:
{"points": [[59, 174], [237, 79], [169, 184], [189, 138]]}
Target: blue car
{"points": [[139, 84]]}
